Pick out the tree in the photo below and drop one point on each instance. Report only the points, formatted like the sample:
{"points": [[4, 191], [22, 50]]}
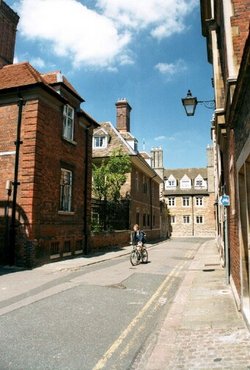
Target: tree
{"points": [[108, 179]]}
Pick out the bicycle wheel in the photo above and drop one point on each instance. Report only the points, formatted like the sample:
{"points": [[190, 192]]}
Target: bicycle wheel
{"points": [[144, 255], [134, 258]]}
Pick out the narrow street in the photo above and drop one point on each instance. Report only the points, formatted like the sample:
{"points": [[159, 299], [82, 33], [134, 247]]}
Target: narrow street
{"points": [[96, 317], [107, 315]]}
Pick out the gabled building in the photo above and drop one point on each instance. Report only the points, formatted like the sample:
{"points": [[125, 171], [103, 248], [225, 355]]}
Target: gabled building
{"points": [[142, 186], [189, 194], [45, 167]]}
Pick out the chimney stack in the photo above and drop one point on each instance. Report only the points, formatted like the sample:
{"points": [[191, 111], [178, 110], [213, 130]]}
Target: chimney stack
{"points": [[123, 110], [8, 25]]}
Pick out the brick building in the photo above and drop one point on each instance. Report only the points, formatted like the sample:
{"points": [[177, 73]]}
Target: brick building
{"points": [[142, 185], [225, 24], [8, 25], [189, 194], [53, 182]]}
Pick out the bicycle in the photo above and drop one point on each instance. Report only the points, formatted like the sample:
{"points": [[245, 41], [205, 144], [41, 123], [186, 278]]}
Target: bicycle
{"points": [[139, 254]]}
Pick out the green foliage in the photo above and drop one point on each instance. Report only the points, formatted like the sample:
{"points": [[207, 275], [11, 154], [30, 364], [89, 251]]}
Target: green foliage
{"points": [[109, 177]]}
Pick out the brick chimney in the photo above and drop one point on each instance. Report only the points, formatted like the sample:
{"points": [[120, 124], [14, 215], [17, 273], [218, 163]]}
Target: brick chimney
{"points": [[8, 25], [123, 110]]}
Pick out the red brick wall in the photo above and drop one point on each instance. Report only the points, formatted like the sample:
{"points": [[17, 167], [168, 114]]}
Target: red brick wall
{"points": [[240, 24], [42, 155], [8, 22]]}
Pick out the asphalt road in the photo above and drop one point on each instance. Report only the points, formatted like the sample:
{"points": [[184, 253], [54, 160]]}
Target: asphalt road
{"points": [[99, 317]]}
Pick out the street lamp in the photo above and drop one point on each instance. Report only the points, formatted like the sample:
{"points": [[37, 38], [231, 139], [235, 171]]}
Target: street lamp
{"points": [[190, 103]]}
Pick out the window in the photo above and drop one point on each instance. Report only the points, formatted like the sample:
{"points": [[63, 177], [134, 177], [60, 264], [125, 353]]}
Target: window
{"points": [[148, 220], [199, 201], [137, 218], [200, 182], [65, 190], [185, 201], [185, 182], [186, 219], [199, 219], [100, 141], [171, 201], [144, 219], [68, 122], [153, 220], [170, 182], [172, 219], [145, 185], [137, 181]]}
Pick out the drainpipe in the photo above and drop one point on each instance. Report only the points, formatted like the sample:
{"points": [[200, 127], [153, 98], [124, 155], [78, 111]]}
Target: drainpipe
{"points": [[18, 142], [85, 223], [192, 198]]}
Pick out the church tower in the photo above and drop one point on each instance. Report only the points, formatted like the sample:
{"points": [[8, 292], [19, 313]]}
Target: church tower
{"points": [[8, 26]]}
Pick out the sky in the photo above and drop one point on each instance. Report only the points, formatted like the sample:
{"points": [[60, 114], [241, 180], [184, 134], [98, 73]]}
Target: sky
{"points": [[149, 52]]}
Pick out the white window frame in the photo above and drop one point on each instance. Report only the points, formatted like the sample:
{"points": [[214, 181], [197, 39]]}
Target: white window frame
{"points": [[66, 183], [68, 122], [186, 201], [185, 182], [171, 201], [170, 183], [186, 219], [199, 219], [172, 219], [102, 142], [199, 201]]}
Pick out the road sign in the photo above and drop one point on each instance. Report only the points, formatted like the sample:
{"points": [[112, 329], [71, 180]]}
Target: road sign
{"points": [[225, 200]]}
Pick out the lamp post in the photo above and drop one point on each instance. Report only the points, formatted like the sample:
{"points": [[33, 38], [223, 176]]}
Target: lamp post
{"points": [[190, 103]]}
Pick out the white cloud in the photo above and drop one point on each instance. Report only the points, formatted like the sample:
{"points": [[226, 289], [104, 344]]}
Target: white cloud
{"points": [[74, 31], [171, 69], [100, 36], [163, 17], [159, 138], [38, 62]]}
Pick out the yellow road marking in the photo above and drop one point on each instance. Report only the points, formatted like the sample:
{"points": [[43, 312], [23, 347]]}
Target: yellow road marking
{"points": [[102, 362]]}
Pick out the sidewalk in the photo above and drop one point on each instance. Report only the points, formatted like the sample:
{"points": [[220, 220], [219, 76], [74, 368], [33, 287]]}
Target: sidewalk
{"points": [[203, 329], [18, 282]]}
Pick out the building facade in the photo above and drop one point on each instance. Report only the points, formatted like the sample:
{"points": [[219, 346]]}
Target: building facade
{"points": [[45, 167], [142, 186], [189, 194], [225, 24]]}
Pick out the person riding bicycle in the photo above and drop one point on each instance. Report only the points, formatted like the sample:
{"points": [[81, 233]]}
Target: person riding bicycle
{"points": [[137, 235]]}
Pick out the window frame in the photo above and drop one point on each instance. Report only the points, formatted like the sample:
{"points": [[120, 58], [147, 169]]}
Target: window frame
{"points": [[186, 219], [199, 201], [66, 119], [200, 218], [65, 205], [104, 142], [172, 219], [186, 201], [172, 201]]}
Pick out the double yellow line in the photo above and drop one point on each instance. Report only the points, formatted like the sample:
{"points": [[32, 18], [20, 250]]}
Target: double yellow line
{"points": [[117, 343]]}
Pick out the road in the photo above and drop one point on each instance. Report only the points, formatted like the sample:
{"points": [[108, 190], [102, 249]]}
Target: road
{"points": [[99, 317]]}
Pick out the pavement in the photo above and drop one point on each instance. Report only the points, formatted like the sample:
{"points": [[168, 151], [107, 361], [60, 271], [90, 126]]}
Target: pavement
{"points": [[202, 330]]}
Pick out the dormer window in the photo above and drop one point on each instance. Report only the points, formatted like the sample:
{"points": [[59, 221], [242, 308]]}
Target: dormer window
{"points": [[100, 142], [170, 183], [68, 123], [100, 139], [200, 183], [185, 182]]}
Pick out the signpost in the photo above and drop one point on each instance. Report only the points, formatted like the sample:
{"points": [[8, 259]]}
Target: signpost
{"points": [[224, 201]]}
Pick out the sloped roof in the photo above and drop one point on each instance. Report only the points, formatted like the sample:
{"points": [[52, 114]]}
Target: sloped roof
{"points": [[192, 173], [115, 141], [20, 74], [56, 78]]}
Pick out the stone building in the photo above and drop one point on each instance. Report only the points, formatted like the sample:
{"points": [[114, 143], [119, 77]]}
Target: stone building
{"points": [[189, 194], [142, 185], [225, 24]]}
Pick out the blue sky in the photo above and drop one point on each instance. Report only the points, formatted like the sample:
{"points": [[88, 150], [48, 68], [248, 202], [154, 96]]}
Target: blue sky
{"points": [[149, 52]]}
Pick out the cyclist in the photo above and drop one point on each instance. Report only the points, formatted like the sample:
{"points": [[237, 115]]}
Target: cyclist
{"points": [[137, 235]]}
